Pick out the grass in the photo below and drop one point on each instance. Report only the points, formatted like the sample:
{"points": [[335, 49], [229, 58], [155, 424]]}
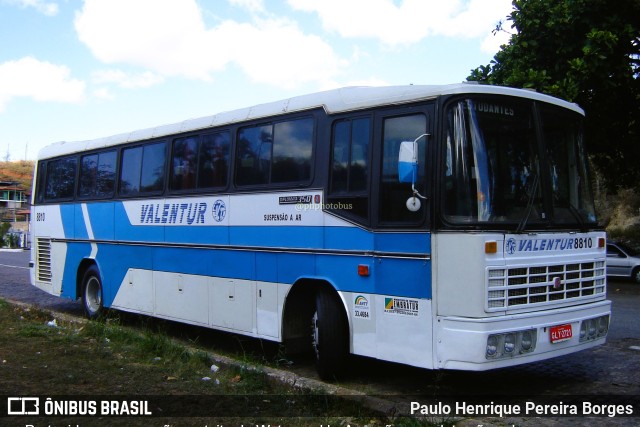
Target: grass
{"points": [[39, 357]]}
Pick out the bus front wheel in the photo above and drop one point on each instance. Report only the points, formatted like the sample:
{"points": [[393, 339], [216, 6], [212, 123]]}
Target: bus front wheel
{"points": [[329, 336], [92, 293]]}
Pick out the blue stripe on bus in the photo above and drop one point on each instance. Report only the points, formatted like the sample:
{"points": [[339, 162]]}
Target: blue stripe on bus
{"points": [[80, 229], [417, 243], [277, 236], [75, 253], [106, 217], [67, 213], [390, 276], [102, 220], [125, 231]]}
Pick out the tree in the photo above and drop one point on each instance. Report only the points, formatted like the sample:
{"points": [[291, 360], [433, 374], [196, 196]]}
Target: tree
{"points": [[588, 52]]}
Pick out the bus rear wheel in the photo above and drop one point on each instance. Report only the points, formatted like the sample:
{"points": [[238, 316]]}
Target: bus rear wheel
{"points": [[329, 336], [92, 293]]}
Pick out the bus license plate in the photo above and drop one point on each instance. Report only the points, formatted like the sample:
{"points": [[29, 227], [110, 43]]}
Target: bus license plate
{"points": [[561, 333]]}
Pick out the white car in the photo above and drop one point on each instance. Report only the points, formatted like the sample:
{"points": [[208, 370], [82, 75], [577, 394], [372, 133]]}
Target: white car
{"points": [[623, 261]]}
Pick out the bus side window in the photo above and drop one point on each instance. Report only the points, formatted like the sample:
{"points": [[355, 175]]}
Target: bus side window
{"points": [[275, 153], [350, 167], [143, 169], [213, 160], [106, 182], [393, 193], [153, 161], [88, 176], [130, 171], [184, 163], [61, 176], [97, 175], [41, 181], [253, 160], [292, 151]]}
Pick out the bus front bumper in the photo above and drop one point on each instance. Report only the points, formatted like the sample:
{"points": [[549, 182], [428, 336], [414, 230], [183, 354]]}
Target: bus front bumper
{"points": [[497, 342]]}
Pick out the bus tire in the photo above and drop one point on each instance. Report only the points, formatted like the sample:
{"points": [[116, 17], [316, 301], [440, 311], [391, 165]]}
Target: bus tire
{"points": [[330, 337], [92, 300]]}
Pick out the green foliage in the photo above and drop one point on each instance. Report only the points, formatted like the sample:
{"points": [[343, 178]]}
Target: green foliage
{"points": [[588, 52], [4, 239]]}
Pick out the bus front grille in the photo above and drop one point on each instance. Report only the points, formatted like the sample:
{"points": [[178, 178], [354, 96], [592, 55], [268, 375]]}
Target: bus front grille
{"points": [[43, 259], [532, 286]]}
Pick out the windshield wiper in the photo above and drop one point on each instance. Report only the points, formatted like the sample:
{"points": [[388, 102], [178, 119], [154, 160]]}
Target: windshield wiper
{"points": [[576, 213], [532, 196]]}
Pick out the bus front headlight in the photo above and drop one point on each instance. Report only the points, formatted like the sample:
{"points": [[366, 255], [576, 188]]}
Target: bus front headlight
{"points": [[511, 344], [591, 329], [527, 341], [492, 346]]}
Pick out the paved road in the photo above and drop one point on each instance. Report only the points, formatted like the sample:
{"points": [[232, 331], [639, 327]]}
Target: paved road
{"points": [[609, 370], [14, 285]]}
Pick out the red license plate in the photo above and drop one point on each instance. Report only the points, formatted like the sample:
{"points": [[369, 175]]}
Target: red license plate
{"points": [[560, 333]]}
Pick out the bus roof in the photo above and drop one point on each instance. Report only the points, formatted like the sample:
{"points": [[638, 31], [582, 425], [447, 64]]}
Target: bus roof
{"points": [[333, 101]]}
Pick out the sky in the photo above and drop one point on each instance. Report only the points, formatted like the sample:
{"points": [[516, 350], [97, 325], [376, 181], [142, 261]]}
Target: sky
{"points": [[83, 69]]}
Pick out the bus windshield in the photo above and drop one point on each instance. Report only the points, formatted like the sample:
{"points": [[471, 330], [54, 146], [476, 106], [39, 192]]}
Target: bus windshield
{"points": [[508, 163]]}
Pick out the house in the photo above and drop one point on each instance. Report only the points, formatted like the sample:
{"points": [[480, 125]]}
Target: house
{"points": [[14, 202]]}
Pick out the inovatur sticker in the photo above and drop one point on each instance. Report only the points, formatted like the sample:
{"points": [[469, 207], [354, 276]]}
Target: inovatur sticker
{"points": [[402, 306]]}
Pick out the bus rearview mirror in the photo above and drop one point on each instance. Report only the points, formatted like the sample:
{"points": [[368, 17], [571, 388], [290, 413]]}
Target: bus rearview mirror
{"points": [[407, 162]]}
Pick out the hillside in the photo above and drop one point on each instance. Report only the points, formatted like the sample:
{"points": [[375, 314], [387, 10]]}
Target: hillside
{"points": [[20, 171]]}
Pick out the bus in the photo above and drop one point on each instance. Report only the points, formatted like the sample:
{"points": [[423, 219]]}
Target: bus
{"points": [[443, 227]]}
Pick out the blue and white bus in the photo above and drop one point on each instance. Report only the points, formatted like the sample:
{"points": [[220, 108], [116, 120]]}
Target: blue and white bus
{"points": [[444, 227]]}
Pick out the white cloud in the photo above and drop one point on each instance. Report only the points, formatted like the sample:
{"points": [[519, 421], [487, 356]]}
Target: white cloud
{"points": [[277, 52], [163, 35], [47, 8], [104, 93], [410, 21], [127, 80], [251, 5], [169, 38], [41, 81]]}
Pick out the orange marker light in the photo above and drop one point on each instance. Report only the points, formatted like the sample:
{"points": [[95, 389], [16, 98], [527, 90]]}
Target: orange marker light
{"points": [[363, 270], [601, 242], [490, 247]]}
